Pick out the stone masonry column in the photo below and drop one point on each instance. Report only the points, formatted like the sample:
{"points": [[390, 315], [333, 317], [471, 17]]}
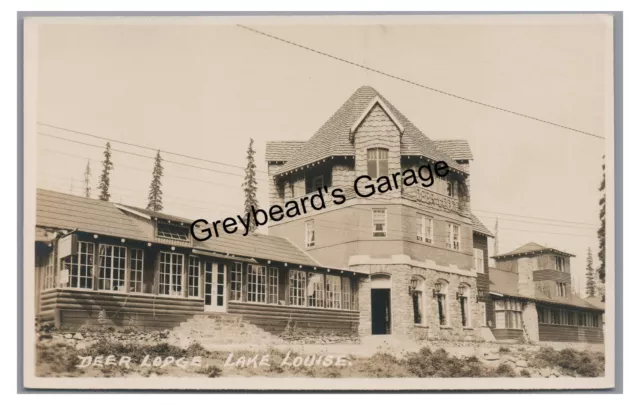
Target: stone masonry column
{"points": [[530, 321], [364, 306]]}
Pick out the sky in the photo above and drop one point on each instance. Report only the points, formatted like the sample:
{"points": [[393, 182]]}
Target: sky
{"points": [[204, 89]]}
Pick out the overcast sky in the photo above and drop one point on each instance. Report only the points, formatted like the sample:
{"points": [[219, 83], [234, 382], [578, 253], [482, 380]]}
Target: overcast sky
{"points": [[203, 90]]}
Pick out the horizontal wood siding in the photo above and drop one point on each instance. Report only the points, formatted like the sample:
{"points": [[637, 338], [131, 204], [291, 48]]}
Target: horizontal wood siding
{"points": [[274, 318], [563, 333], [552, 275], [507, 334], [73, 309]]}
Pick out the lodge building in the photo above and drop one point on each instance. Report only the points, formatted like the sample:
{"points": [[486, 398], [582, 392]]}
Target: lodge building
{"points": [[412, 262]]}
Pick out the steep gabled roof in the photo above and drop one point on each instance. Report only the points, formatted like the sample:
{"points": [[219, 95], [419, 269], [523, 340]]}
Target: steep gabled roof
{"points": [[332, 139], [478, 226], [458, 149], [531, 248], [282, 151]]}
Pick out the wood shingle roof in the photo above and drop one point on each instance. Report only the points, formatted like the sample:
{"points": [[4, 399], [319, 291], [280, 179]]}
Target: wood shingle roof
{"points": [[333, 138], [530, 249]]}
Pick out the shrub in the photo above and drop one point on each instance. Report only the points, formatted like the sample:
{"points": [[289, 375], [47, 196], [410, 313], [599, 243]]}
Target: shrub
{"points": [[525, 373], [426, 363], [505, 370], [211, 371], [571, 361], [504, 349]]}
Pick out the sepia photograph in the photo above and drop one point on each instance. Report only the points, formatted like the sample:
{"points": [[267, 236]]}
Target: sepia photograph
{"points": [[368, 203]]}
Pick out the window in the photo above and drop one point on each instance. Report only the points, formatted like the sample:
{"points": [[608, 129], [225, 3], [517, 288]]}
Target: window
{"points": [[80, 266], [171, 266], [508, 314], [464, 306], [272, 275], [297, 287], [236, 282], [379, 222], [165, 230], [560, 264], [318, 182], [334, 292], [478, 259], [310, 234], [442, 298], [424, 226], [452, 188], [417, 298], [561, 289], [315, 290], [256, 283], [453, 237], [112, 267], [48, 273], [347, 295], [377, 162], [137, 266], [194, 276]]}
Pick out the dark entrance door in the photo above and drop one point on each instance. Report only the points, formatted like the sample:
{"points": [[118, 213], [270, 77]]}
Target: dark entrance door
{"points": [[380, 311]]}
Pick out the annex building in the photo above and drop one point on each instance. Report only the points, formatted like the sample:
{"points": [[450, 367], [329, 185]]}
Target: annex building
{"points": [[412, 262]]}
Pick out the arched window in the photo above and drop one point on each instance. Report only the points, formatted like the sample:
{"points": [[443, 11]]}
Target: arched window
{"points": [[463, 298], [441, 293], [377, 162], [417, 299]]}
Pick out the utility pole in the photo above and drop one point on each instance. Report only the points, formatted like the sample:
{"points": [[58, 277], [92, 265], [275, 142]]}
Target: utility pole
{"points": [[87, 180]]}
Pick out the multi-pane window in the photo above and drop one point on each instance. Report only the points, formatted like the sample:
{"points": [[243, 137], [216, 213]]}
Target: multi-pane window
{"points": [[379, 222], [315, 290], [508, 314], [377, 162], [333, 292], [297, 287], [136, 264], [272, 275], [256, 283], [48, 273], [236, 282], [347, 296], [478, 260], [561, 289], [453, 237], [310, 234], [170, 231], [424, 227], [171, 267], [452, 188], [80, 266], [560, 263], [112, 267], [193, 275], [563, 317]]}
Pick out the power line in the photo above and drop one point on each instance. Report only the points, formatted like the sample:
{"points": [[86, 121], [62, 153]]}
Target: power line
{"points": [[418, 84], [144, 147], [139, 155], [539, 218], [584, 227]]}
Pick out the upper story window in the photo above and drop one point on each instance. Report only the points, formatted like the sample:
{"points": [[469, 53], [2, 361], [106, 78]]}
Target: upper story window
{"points": [[478, 260], [561, 289], [379, 222], [310, 234], [377, 162], [424, 227], [453, 237], [560, 264], [318, 182], [452, 188], [170, 231]]}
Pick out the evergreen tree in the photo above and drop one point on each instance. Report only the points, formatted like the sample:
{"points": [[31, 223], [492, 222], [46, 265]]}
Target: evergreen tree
{"points": [[591, 275], [250, 185], [155, 189], [601, 230], [87, 180], [107, 166]]}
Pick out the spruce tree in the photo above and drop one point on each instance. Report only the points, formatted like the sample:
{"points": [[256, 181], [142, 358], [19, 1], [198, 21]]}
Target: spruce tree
{"points": [[591, 275], [87, 180], [107, 166], [155, 189], [602, 230], [250, 185]]}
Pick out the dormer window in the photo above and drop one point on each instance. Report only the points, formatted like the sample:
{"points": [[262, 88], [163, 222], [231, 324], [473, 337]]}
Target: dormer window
{"points": [[377, 162], [171, 231]]}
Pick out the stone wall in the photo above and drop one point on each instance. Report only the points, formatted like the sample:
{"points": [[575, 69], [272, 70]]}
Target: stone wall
{"points": [[526, 285], [530, 322]]}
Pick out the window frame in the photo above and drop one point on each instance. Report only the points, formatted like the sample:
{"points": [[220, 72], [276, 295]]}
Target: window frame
{"points": [[172, 274], [512, 313], [297, 293], [134, 271], [424, 233], [477, 258], [102, 268], [177, 236], [451, 240], [377, 159], [384, 232], [235, 282], [193, 280], [309, 227], [72, 262], [442, 301]]}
